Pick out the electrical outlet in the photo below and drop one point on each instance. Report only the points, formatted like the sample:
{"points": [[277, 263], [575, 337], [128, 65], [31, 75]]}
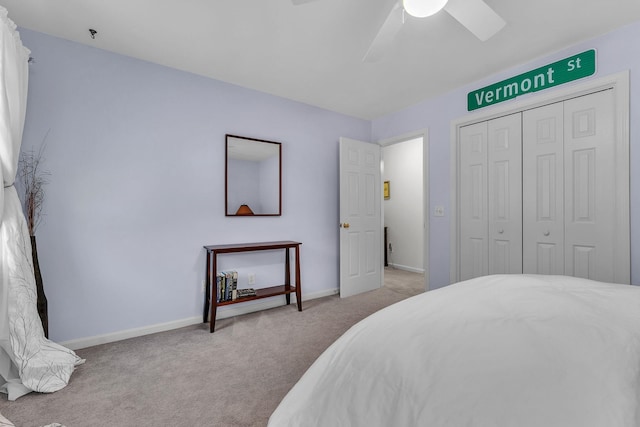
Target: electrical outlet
{"points": [[252, 278], [204, 285]]}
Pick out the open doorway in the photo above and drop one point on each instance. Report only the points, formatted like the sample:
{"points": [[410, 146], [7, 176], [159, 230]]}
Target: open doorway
{"points": [[404, 213]]}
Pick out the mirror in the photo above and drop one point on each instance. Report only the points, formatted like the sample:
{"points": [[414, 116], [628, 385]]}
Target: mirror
{"points": [[253, 175]]}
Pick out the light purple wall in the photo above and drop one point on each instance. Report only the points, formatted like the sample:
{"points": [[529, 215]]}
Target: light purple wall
{"points": [[243, 185], [268, 182], [616, 52], [136, 155]]}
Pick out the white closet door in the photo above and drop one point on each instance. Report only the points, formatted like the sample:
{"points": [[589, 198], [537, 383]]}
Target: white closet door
{"points": [[543, 190], [505, 194], [555, 201], [590, 190], [473, 201]]}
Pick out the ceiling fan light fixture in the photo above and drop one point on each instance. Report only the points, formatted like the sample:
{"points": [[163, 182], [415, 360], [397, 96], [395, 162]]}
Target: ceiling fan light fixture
{"points": [[423, 8]]}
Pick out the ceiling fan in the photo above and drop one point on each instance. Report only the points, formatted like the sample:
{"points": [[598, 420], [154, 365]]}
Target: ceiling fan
{"points": [[475, 15]]}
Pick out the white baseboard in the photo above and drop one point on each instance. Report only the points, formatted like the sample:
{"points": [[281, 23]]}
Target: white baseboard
{"points": [[223, 313], [129, 333], [406, 268]]}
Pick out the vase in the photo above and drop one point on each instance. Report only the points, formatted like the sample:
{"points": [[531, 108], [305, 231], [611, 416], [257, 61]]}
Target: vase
{"points": [[42, 298]]}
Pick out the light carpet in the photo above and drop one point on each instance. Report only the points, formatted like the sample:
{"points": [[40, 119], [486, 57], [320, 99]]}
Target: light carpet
{"points": [[189, 377]]}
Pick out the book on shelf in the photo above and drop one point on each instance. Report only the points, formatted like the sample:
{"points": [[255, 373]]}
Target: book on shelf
{"points": [[248, 292], [227, 283], [234, 285], [220, 279], [228, 275]]}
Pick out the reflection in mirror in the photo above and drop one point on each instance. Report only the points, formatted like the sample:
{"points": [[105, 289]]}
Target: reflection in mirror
{"points": [[253, 177]]}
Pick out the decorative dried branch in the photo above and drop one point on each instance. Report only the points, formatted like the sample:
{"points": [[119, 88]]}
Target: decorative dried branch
{"points": [[33, 180]]}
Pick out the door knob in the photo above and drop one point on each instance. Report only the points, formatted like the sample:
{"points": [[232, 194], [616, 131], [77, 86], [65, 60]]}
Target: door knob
{"points": [[501, 231], [546, 233], [345, 225]]}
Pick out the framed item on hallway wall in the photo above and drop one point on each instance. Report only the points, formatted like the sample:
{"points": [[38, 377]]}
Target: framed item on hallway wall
{"points": [[387, 192]]}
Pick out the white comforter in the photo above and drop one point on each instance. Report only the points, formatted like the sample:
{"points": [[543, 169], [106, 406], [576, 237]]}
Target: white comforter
{"points": [[500, 351]]}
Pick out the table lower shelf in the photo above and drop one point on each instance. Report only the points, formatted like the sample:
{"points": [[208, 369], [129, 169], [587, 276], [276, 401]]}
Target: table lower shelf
{"points": [[262, 293]]}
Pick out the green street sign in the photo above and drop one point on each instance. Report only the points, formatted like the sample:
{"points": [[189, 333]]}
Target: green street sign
{"points": [[572, 68]]}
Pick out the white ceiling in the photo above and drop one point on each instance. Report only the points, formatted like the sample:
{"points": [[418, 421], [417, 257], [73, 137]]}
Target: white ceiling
{"points": [[313, 52]]}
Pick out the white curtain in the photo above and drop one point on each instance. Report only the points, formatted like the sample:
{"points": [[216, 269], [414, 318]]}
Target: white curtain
{"points": [[28, 361]]}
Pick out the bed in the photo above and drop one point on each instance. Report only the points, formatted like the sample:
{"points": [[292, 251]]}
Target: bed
{"points": [[500, 351], [6, 423]]}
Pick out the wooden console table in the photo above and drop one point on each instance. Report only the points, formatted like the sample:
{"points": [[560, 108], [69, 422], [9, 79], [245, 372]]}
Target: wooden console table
{"points": [[287, 289]]}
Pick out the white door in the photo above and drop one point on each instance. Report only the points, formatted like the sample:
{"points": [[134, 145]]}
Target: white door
{"points": [[590, 187], [474, 223], [491, 197], [504, 142], [360, 217], [543, 189]]}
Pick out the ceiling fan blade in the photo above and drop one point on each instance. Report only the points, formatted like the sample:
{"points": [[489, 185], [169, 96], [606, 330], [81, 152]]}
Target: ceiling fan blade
{"points": [[477, 16], [386, 34]]}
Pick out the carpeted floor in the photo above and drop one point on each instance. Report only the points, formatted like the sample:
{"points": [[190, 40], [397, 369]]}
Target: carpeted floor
{"points": [[189, 377]]}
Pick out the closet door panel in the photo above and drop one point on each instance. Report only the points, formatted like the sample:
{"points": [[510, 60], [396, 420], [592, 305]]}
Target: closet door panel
{"points": [[504, 163], [473, 201], [590, 186], [543, 190]]}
